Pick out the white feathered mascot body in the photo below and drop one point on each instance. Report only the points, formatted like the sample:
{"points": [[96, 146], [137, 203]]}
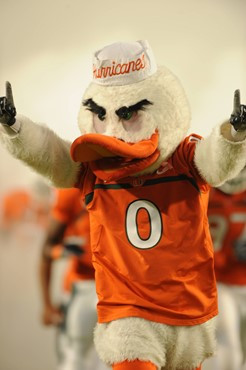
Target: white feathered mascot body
{"points": [[146, 188]]}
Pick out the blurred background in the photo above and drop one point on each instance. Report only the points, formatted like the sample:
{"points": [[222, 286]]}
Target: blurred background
{"points": [[46, 52]]}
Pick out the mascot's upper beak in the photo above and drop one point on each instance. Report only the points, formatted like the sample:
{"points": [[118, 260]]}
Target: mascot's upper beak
{"points": [[91, 147]]}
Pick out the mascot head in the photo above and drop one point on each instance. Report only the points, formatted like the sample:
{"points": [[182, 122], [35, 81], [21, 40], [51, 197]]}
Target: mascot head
{"points": [[133, 114]]}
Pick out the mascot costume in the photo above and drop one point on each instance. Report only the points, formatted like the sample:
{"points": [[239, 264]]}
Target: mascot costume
{"points": [[146, 188]]}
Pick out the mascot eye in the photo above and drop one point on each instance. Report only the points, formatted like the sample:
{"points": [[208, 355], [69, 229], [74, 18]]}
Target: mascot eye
{"points": [[127, 116], [127, 113], [95, 108], [101, 116]]}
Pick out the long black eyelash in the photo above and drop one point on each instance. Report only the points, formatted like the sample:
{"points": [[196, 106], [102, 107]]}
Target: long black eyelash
{"points": [[133, 108], [140, 105], [93, 107]]}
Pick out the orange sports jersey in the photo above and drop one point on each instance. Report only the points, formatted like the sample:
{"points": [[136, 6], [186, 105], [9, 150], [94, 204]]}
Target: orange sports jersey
{"points": [[227, 217], [69, 209], [151, 245]]}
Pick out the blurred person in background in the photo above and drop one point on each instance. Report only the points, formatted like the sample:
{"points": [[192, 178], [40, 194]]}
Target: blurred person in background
{"points": [[227, 218], [16, 205], [76, 317], [23, 207]]}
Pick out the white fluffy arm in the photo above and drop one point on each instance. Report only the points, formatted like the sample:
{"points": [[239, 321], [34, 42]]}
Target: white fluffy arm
{"points": [[221, 156], [40, 148]]}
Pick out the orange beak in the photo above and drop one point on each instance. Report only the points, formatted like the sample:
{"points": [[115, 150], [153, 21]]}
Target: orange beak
{"points": [[111, 158], [91, 147]]}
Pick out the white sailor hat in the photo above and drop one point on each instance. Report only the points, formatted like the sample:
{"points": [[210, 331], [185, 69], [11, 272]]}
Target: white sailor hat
{"points": [[123, 63]]}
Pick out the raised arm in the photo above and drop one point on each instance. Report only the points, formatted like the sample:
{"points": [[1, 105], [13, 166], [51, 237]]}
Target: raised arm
{"points": [[222, 155], [36, 145]]}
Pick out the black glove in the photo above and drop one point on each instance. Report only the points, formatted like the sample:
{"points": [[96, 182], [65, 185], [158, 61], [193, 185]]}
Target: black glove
{"points": [[238, 116], [7, 107]]}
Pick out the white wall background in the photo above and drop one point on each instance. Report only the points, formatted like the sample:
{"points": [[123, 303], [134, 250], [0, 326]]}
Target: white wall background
{"points": [[46, 48]]}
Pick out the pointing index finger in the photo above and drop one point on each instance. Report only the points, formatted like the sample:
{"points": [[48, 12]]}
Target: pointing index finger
{"points": [[9, 94], [236, 104]]}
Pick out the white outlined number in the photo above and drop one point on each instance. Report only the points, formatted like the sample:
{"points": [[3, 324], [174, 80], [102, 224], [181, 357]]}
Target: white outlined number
{"points": [[155, 220]]}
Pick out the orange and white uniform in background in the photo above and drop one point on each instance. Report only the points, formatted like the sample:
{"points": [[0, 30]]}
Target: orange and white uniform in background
{"points": [[227, 217], [75, 338], [69, 210]]}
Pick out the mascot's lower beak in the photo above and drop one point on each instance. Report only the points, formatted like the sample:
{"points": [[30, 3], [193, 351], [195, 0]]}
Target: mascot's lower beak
{"points": [[111, 158]]}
